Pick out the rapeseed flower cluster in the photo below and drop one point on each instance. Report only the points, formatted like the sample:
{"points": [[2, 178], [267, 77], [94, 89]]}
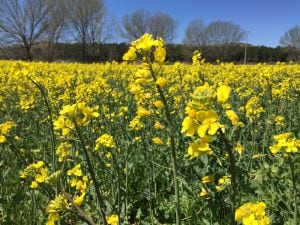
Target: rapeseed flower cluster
{"points": [[72, 115], [56, 206], [146, 47], [37, 173], [112, 220], [5, 129], [285, 143], [202, 118], [79, 182], [252, 214], [63, 151], [105, 140]]}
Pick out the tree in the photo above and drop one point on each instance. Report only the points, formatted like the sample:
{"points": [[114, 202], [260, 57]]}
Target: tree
{"points": [[135, 25], [291, 38], [85, 18], [195, 33], [23, 22], [140, 22], [56, 26], [223, 32], [162, 25]]}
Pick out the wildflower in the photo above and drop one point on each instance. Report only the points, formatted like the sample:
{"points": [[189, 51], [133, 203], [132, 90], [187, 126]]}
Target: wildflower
{"points": [[112, 220], [4, 129], [253, 109], [279, 120], [57, 205], [252, 213], [160, 54], [142, 112], [130, 55], [223, 93], [37, 173], [286, 143], [105, 140], [76, 171], [204, 193], [157, 140], [200, 147], [239, 148], [233, 117], [158, 126], [63, 151], [207, 179], [79, 199], [161, 81], [136, 124], [223, 182], [158, 104], [189, 126]]}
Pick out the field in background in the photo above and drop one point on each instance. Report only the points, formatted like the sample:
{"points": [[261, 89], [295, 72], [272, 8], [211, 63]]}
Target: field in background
{"points": [[65, 126]]}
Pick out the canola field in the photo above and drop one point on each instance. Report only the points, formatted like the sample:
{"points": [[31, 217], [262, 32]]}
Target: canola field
{"points": [[143, 142]]}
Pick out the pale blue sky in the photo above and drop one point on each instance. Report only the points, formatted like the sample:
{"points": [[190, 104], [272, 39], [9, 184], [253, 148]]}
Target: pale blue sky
{"points": [[266, 20]]}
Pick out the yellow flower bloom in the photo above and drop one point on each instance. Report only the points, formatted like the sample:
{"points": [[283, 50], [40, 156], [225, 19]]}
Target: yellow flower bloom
{"points": [[130, 55], [112, 220], [233, 117], [159, 104], [200, 147], [157, 140], [158, 126], [252, 213], [161, 81], [76, 171], [105, 140], [189, 126], [239, 148], [207, 179], [160, 54], [79, 199], [142, 112], [204, 193], [223, 93], [2, 139]]}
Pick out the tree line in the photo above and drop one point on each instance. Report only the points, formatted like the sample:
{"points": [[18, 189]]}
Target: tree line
{"points": [[83, 31]]}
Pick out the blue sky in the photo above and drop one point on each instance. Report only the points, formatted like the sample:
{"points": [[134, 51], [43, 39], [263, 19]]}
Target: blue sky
{"points": [[265, 20]]}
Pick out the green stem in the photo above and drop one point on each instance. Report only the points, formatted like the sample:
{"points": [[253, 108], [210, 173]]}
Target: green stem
{"points": [[92, 173], [115, 164], [233, 173], [49, 110], [173, 148], [291, 163]]}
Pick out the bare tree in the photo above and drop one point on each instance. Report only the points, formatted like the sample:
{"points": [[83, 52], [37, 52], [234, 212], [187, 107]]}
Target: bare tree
{"points": [[222, 32], [23, 22], [140, 22], [195, 33], [291, 37], [85, 19], [135, 25], [56, 26], [162, 25]]}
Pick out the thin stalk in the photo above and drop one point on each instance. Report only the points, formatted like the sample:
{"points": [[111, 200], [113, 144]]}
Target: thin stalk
{"points": [[233, 173], [291, 163], [115, 164], [173, 148], [150, 175], [49, 110], [92, 173], [86, 218]]}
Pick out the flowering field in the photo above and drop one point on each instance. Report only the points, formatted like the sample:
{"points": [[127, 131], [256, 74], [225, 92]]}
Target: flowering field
{"points": [[146, 143]]}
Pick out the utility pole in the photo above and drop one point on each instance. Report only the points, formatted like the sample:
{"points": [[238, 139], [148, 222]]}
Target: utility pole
{"points": [[246, 45]]}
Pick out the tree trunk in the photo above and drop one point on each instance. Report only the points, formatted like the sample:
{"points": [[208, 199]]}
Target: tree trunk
{"points": [[28, 53]]}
